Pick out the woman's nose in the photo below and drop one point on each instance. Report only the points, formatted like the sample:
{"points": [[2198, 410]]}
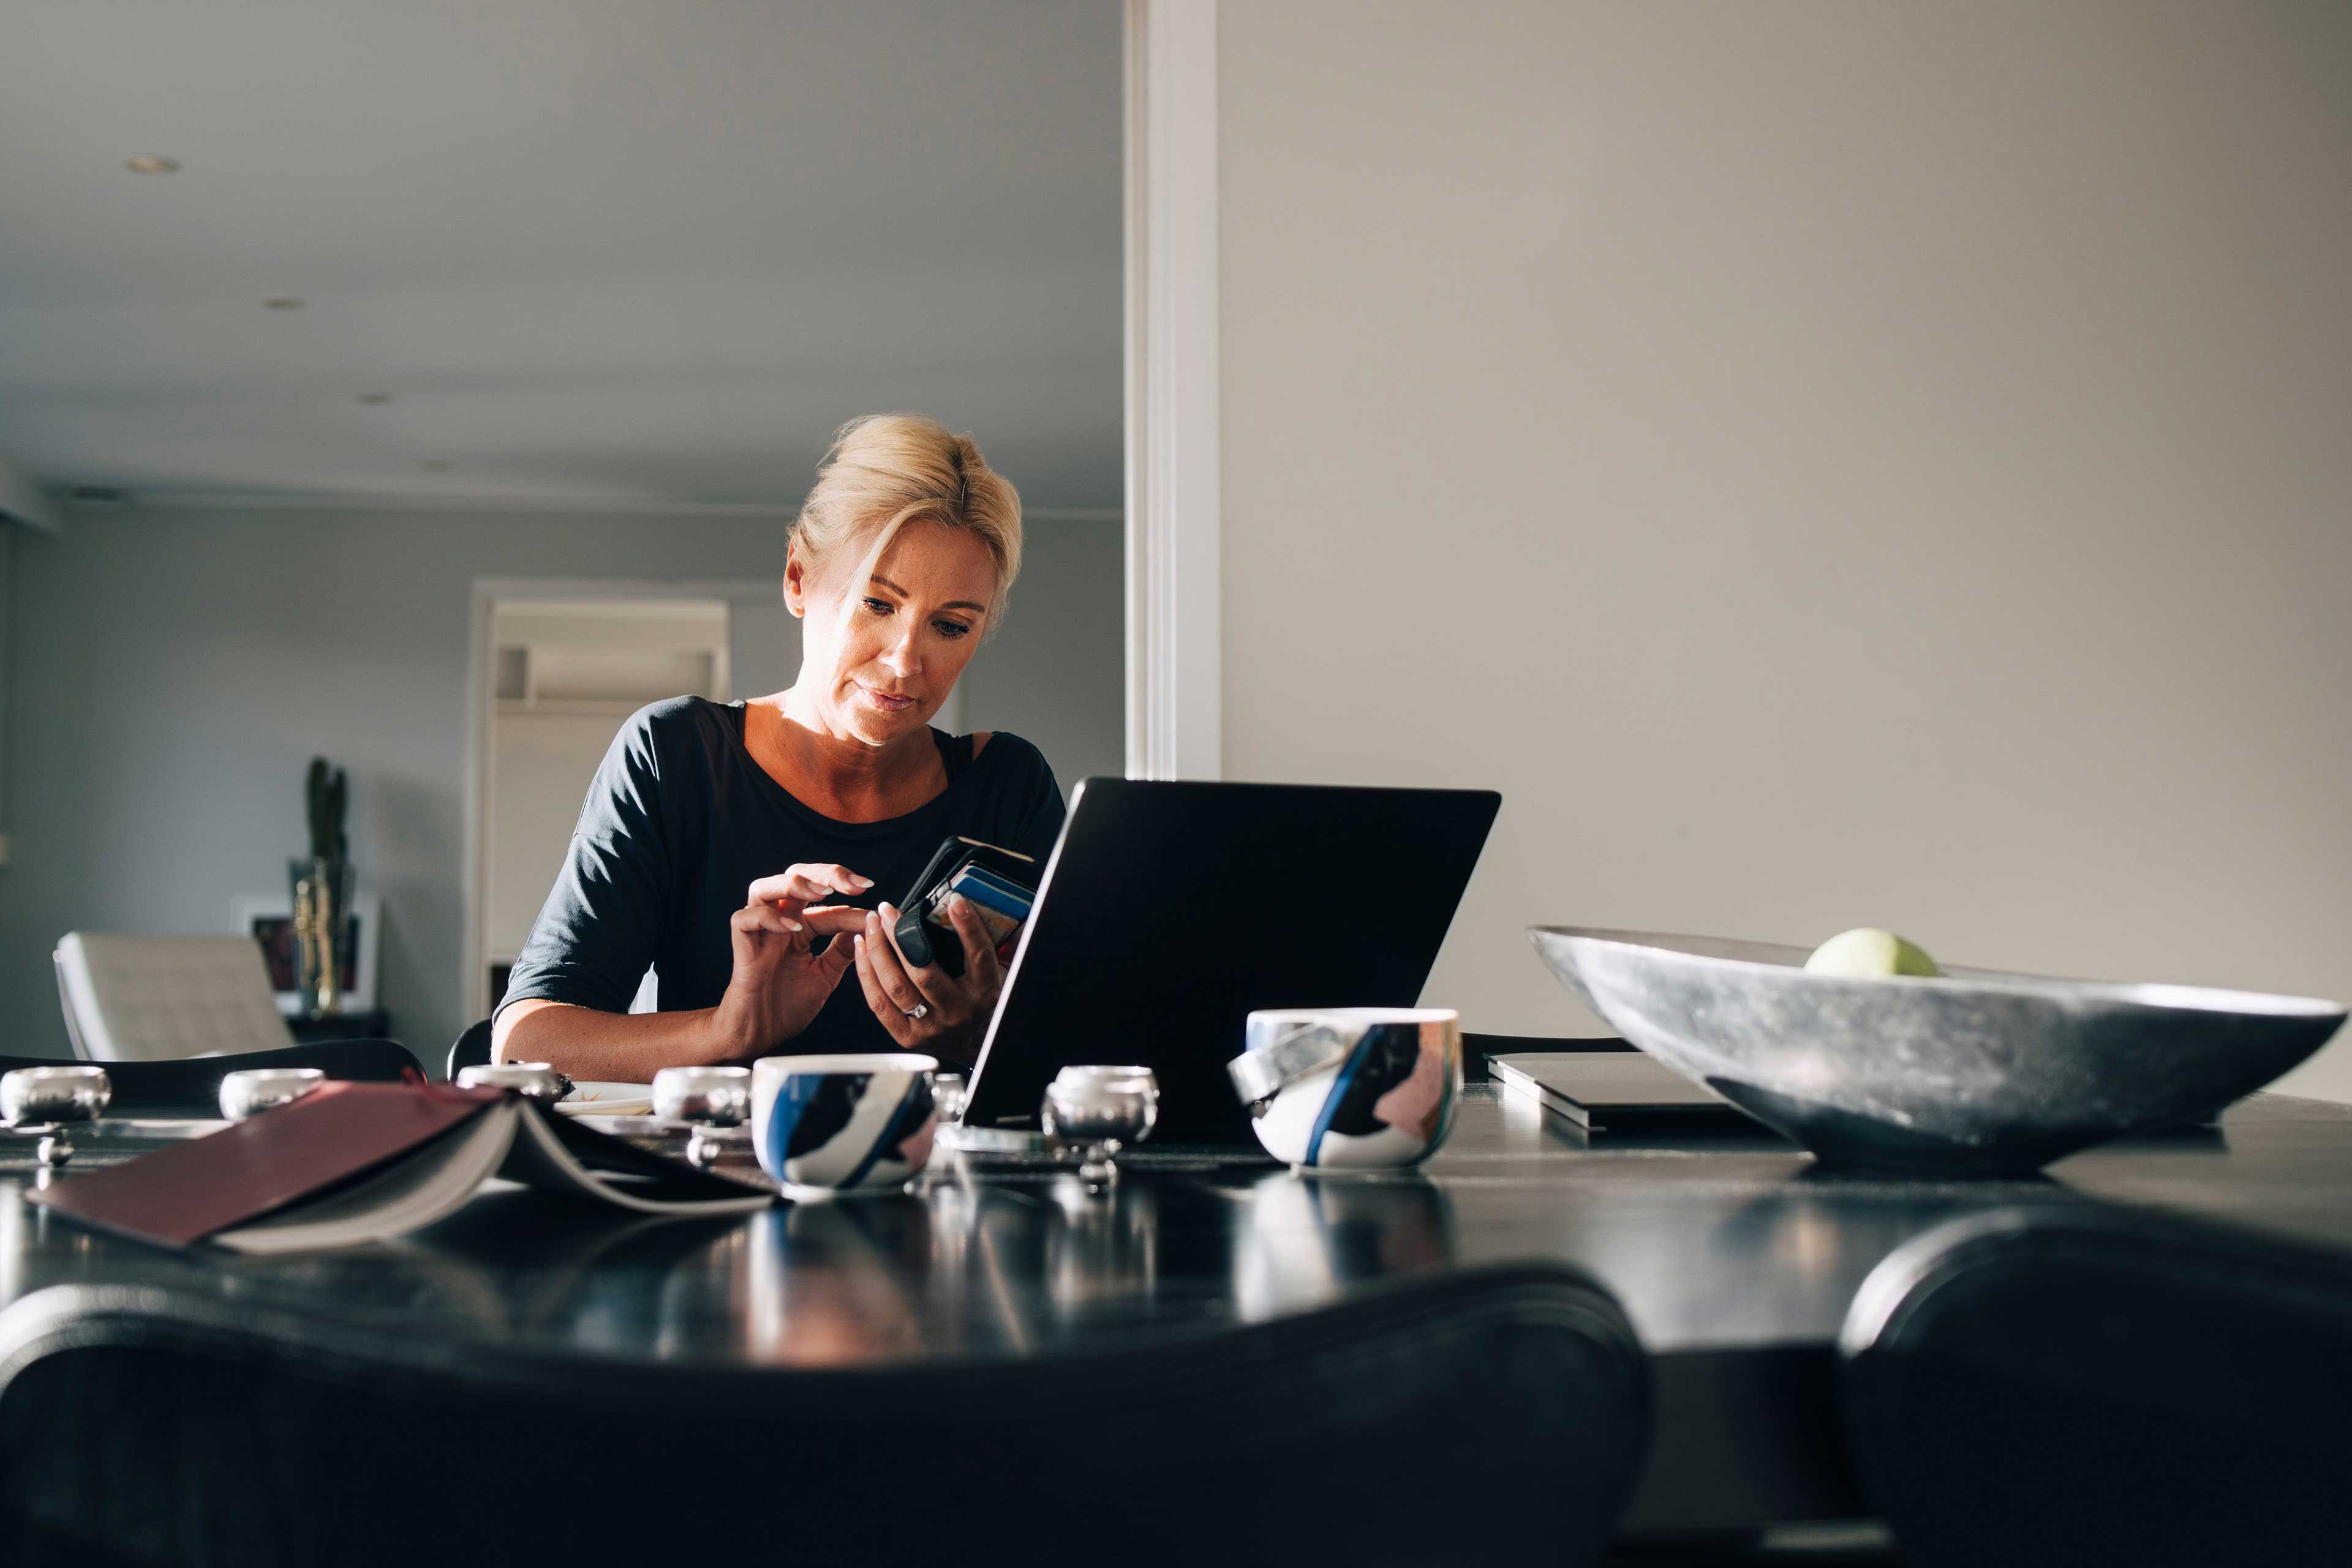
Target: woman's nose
{"points": [[898, 655]]}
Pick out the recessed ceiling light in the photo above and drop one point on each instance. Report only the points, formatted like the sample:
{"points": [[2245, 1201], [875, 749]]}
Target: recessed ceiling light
{"points": [[153, 164], [437, 465], [375, 399], [283, 302]]}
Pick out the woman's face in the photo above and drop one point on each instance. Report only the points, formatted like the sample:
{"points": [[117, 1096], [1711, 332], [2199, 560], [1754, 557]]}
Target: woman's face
{"points": [[882, 655]]}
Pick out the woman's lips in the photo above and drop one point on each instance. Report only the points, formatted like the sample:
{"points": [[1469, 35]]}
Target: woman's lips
{"points": [[887, 702]]}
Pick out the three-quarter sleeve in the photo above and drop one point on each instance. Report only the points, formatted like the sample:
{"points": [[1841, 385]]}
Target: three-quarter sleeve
{"points": [[596, 934]]}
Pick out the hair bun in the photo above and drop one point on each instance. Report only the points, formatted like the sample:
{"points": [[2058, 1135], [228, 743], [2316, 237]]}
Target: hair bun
{"points": [[887, 470]]}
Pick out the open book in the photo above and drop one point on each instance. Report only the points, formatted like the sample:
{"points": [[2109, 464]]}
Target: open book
{"points": [[353, 1162]]}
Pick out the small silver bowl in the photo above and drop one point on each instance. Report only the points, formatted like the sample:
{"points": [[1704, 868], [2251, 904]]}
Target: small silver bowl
{"points": [[42, 1097], [948, 1091], [532, 1080], [47, 1100], [715, 1097], [1102, 1110], [251, 1090]]}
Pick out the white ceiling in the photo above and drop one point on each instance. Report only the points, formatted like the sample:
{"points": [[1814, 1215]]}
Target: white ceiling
{"points": [[603, 251]]}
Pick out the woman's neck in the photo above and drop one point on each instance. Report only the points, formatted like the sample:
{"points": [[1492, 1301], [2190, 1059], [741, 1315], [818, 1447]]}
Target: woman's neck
{"points": [[837, 773]]}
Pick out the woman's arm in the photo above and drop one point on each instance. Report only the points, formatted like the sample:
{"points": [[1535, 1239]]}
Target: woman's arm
{"points": [[778, 983], [622, 1048]]}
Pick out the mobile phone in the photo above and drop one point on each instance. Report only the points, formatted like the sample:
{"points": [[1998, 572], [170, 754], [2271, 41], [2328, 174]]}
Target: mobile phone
{"points": [[995, 881]]}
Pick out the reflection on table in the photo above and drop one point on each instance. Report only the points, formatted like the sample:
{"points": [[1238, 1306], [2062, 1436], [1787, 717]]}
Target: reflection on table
{"points": [[1731, 1255]]}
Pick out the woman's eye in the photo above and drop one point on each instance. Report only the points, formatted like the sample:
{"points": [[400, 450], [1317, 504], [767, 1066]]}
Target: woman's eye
{"points": [[950, 629], [878, 606]]}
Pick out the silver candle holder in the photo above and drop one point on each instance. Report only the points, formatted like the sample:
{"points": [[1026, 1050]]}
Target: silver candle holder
{"points": [[532, 1080], [45, 1101], [250, 1090], [713, 1101], [1101, 1110]]}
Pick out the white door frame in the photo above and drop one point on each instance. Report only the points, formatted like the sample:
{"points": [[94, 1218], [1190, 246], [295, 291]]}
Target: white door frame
{"points": [[1174, 664], [481, 683]]}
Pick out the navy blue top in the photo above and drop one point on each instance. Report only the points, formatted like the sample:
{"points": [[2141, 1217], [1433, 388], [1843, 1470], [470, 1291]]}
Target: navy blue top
{"points": [[680, 821]]}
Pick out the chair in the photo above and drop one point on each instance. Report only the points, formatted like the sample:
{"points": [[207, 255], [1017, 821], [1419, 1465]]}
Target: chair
{"points": [[157, 998], [472, 1048], [191, 1086], [1475, 1417], [2105, 1385]]}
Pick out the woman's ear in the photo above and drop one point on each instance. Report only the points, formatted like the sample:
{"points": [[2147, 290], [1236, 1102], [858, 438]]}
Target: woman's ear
{"points": [[795, 580]]}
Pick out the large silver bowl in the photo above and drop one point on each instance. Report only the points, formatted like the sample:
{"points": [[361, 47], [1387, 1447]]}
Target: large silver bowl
{"points": [[1975, 1072]]}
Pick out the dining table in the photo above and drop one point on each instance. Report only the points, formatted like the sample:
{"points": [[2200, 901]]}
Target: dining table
{"points": [[1735, 1254]]}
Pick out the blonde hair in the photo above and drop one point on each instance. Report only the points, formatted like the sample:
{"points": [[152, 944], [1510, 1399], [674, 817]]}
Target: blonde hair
{"points": [[895, 469]]}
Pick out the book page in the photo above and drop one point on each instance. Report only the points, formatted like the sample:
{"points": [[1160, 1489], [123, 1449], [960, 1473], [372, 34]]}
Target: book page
{"points": [[430, 1184], [650, 1184]]}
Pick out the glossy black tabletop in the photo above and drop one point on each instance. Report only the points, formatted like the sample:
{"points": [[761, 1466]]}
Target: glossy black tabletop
{"points": [[1735, 1256]]}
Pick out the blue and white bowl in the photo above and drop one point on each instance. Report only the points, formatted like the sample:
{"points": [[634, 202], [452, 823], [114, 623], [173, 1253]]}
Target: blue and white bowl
{"points": [[1351, 1088], [846, 1123]]}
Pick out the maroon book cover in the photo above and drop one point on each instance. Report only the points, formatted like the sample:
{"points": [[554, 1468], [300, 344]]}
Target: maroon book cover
{"points": [[185, 1193]]}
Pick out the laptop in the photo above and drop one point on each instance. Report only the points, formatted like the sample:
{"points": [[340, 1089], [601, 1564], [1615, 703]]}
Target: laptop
{"points": [[1168, 910]]}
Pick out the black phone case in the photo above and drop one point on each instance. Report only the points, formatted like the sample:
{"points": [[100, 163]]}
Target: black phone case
{"points": [[923, 940]]}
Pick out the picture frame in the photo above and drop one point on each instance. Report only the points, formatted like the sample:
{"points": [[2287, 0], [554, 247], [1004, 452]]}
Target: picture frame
{"points": [[270, 921]]}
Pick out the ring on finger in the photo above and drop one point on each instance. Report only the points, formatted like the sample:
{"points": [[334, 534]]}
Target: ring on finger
{"points": [[919, 1011]]}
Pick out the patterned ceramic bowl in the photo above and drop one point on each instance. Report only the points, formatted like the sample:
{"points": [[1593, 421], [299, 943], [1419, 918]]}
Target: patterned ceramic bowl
{"points": [[1351, 1088], [846, 1123]]}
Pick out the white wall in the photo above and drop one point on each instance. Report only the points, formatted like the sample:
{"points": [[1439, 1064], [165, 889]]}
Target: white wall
{"points": [[1054, 673], [1826, 464], [171, 672]]}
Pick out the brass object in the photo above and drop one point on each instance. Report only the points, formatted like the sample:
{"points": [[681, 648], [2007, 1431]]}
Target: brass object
{"points": [[314, 937], [322, 892]]}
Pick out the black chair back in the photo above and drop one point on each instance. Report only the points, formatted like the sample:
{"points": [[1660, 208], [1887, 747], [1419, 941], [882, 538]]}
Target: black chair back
{"points": [[2105, 1385], [1478, 1417], [190, 1086], [472, 1050]]}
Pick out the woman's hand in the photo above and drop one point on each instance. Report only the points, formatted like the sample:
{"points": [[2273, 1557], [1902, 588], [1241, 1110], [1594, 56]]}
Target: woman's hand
{"points": [[779, 982], [924, 1007]]}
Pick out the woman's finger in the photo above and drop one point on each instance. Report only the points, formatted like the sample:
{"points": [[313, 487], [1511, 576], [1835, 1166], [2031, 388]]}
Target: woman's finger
{"points": [[834, 962], [932, 986], [983, 974], [763, 917], [893, 1016], [833, 920], [808, 884], [898, 979]]}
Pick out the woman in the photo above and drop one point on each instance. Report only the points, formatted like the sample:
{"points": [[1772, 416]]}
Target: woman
{"points": [[746, 852]]}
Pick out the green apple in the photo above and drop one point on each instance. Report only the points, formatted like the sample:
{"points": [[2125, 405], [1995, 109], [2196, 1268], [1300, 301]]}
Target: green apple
{"points": [[1867, 953]]}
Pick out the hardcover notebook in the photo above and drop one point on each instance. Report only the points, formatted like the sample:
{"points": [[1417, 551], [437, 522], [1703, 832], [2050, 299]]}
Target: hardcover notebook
{"points": [[353, 1162]]}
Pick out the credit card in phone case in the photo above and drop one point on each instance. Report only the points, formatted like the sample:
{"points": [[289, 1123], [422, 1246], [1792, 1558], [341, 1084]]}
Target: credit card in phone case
{"points": [[1004, 891], [965, 883], [985, 893], [1001, 927], [1013, 885]]}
